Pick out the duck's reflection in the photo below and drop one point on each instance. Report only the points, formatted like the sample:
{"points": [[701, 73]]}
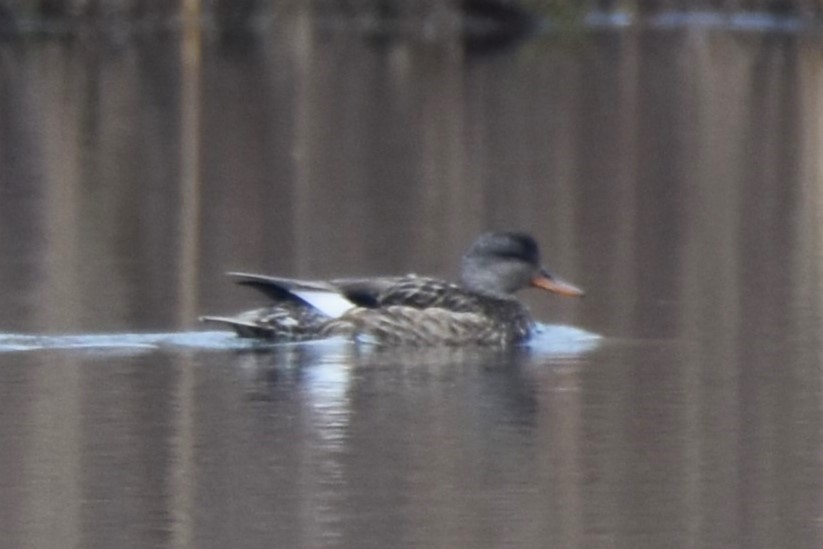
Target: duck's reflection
{"points": [[335, 381], [405, 431]]}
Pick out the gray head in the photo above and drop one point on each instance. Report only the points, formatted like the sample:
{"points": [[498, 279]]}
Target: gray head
{"points": [[504, 262]]}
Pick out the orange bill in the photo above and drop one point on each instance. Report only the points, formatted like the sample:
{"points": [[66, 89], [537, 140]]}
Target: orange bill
{"points": [[546, 281]]}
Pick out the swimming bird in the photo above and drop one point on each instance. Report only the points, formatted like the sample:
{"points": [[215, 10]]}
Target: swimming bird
{"points": [[480, 309]]}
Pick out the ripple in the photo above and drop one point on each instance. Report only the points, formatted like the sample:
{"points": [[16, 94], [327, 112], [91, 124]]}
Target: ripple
{"points": [[554, 339], [563, 340]]}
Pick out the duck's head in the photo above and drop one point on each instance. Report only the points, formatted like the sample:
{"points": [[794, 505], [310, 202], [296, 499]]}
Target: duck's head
{"points": [[505, 262]]}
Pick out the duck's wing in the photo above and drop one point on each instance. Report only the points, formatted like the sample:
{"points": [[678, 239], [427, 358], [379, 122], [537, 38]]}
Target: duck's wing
{"points": [[368, 292], [325, 297], [277, 288], [336, 297], [362, 292]]}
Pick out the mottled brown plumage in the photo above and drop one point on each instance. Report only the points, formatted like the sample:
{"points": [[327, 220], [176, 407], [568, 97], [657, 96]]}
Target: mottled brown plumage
{"points": [[409, 310]]}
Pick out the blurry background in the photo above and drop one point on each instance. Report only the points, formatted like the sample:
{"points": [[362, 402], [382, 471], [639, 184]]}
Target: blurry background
{"points": [[666, 155], [321, 138]]}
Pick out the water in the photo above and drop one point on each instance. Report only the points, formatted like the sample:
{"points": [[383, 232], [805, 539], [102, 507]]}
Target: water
{"points": [[671, 172]]}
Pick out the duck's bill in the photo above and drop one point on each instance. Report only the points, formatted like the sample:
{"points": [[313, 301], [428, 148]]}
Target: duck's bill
{"points": [[551, 283]]}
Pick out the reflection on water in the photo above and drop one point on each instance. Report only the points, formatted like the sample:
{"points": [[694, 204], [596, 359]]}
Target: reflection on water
{"points": [[673, 172]]}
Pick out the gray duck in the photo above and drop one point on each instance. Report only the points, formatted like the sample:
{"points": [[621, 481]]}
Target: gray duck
{"points": [[409, 310]]}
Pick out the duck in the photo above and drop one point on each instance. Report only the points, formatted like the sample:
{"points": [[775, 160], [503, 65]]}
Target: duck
{"points": [[480, 309]]}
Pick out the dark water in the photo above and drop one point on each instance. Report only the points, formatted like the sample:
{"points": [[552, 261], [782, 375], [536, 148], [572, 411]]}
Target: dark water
{"points": [[674, 173]]}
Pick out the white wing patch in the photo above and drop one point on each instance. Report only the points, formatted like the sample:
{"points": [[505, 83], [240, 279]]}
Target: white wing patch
{"points": [[330, 303]]}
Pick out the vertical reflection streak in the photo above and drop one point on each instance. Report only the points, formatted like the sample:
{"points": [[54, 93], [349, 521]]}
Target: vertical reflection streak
{"points": [[810, 236], [182, 471], [327, 389]]}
